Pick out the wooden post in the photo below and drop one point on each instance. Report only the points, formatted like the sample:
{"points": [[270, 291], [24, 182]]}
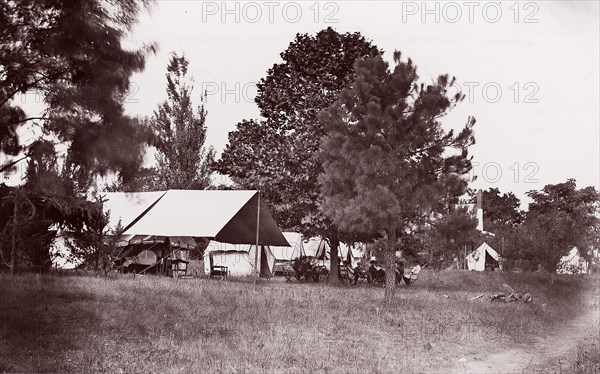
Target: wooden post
{"points": [[257, 238]]}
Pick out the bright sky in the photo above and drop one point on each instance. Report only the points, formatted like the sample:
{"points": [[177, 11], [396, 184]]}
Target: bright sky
{"points": [[529, 70]]}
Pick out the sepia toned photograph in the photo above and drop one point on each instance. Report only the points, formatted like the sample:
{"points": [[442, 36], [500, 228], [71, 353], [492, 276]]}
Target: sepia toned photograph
{"points": [[192, 186]]}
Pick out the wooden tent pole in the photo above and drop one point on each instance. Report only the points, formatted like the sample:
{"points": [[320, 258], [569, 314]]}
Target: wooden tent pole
{"points": [[257, 238]]}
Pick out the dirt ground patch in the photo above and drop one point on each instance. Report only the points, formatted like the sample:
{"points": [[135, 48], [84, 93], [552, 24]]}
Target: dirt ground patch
{"points": [[550, 353]]}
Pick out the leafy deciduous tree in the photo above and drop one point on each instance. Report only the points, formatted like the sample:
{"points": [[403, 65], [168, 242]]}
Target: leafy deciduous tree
{"points": [[279, 154], [500, 210], [560, 217]]}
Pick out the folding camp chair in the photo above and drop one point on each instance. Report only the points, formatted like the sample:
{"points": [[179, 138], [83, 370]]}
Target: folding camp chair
{"points": [[343, 273]]}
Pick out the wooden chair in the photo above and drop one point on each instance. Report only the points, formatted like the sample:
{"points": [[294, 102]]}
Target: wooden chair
{"points": [[217, 270], [343, 273], [179, 267]]}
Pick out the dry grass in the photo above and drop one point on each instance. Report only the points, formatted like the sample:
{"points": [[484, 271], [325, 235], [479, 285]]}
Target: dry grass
{"points": [[154, 324]]}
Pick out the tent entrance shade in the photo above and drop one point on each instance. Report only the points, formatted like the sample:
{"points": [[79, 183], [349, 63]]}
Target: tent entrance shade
{"points": [[226, 216], [239, 259]]}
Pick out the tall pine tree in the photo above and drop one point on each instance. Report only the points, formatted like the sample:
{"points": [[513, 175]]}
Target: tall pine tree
{"points": [[179, 134], [386, 158]]}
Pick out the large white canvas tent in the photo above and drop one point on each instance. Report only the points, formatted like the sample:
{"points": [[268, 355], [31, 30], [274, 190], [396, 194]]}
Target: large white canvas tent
{"points": [[482, 258], [225, 216], [285, 254], [239, 258], [179, 219], [572, 263]]}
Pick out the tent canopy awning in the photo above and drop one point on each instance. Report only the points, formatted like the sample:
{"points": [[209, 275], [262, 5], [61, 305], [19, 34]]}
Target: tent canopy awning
{"points": [[124, 207], [226, 216]]}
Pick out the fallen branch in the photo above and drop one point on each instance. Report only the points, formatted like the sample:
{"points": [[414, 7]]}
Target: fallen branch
{"points": [[478, 296], [509, 288]]}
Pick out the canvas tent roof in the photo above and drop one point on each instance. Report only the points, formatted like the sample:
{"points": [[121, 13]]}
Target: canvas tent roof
{"points": [[125, 207], [227, 216], [289, 253]]}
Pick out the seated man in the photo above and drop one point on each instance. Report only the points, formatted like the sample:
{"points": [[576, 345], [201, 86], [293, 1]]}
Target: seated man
{"points": [[372, 272], [357, 273], [376, 273], [414, 273]]}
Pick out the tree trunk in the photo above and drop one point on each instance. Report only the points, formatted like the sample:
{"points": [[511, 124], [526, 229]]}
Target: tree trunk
{"points": [[14, 240], [334, 258], [390, 271], [97, 261], [101, 250]]}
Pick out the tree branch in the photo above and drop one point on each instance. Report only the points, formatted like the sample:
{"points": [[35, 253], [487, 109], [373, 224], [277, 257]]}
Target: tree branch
{"points": [[11, 164]]}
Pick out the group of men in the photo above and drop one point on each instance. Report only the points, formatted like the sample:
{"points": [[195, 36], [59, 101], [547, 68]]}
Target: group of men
{"points": [[377, 274]]}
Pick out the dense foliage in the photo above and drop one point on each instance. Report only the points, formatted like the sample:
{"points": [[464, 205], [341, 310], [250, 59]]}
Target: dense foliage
{"points": [[279, 154], [71, 54], [386, 164]]}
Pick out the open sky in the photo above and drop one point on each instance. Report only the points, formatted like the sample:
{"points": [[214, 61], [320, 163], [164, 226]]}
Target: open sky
{"points": [[530, 70]]}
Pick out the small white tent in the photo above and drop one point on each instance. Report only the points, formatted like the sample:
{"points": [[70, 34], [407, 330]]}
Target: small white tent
{"points": [[285, 254], [316, 247], [239, 258], [351, 253], [482, 258], [319, 248], [572, 263]]}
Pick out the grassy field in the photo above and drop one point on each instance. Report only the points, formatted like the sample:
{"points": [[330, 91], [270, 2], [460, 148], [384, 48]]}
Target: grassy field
{"points": [[153, 324]]}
